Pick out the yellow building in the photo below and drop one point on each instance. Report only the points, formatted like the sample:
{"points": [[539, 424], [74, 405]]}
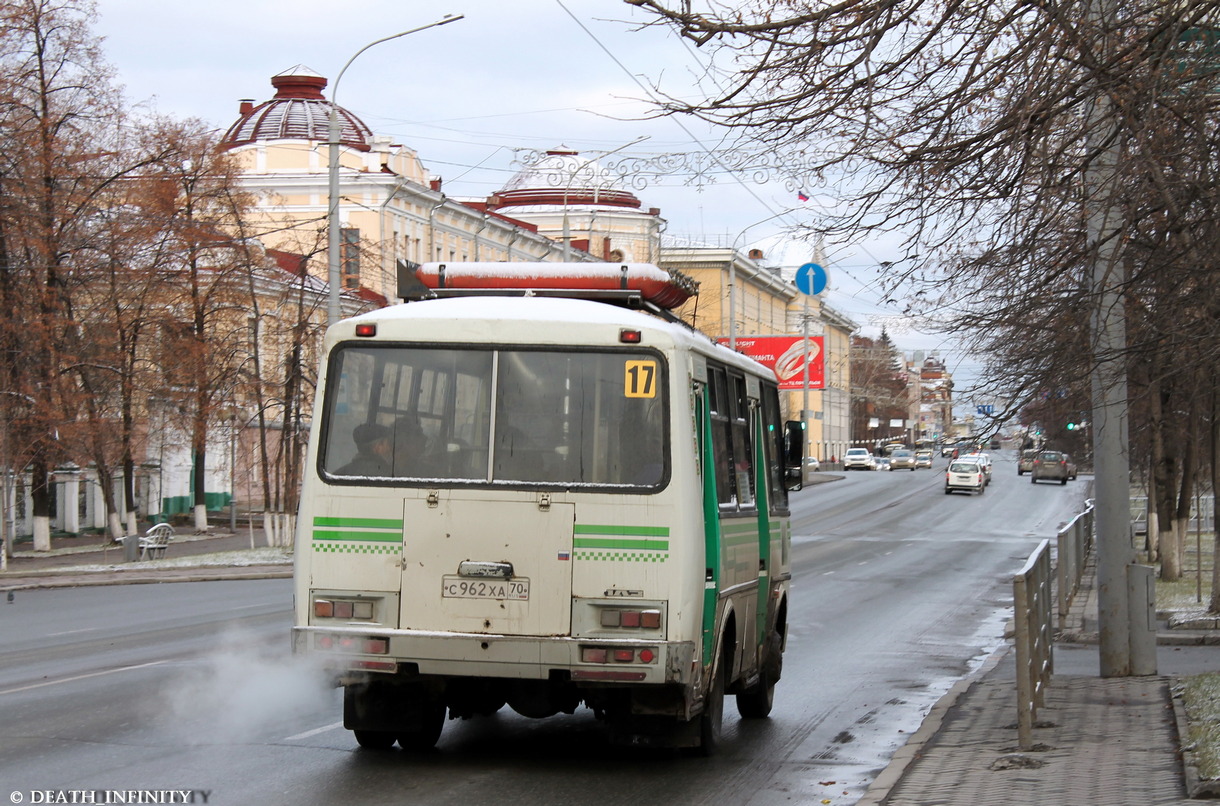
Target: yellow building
{"points": [[390, 208], [742, 296], [560, 206]]}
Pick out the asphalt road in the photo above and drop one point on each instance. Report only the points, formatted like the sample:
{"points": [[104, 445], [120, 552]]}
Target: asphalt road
{"points": [[898, 591]]}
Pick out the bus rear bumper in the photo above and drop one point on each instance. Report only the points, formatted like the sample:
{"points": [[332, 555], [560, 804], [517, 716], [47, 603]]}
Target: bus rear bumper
{"points": [[357, 651]]}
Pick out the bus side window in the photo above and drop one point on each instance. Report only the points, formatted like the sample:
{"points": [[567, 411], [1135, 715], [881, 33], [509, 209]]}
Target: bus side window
{"points": [[743, 456], [773, 449]]}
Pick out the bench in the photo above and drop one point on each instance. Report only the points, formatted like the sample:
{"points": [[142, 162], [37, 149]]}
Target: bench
{"points": [[155, 541]]}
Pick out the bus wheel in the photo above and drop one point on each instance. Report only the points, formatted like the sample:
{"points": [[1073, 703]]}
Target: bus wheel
{"points": [[713, 713], [425, 728], [374, 739], [756, 701]]}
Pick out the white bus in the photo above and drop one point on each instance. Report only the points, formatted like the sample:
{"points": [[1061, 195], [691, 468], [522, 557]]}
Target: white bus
{"points": [[544, 502]]}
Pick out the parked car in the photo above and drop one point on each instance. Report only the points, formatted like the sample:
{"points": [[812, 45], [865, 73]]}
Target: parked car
{"points": [[1025, 462], [1050, 465], [812, 465], [902, 459], [923, 459], [858, 459], [965, 475]]}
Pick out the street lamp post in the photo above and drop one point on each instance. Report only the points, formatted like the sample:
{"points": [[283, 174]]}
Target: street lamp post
{"points": [[567, 232], [333, 142]]}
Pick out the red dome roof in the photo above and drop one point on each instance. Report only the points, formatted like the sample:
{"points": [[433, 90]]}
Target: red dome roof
{"points": [[299, 111]]}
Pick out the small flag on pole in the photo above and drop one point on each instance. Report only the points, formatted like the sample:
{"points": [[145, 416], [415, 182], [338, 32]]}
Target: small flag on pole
{"points": [[800, 195]]}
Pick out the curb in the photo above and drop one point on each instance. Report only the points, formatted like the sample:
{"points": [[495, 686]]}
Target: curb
{"points": [[1196, 787], [879, 790], [34, 580]]}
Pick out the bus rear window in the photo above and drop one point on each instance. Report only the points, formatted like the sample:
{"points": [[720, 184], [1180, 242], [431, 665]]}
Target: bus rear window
{"points": [[549, 418]]}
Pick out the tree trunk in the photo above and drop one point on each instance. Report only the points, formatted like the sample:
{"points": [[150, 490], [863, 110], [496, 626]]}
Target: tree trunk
{"points": [[40, 492]]}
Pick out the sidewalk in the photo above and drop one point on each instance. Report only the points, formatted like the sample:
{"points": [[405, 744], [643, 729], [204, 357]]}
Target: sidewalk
{"points": [[1099, 740], [89, 560]]}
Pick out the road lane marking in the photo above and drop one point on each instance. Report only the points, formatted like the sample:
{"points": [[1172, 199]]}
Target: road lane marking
{"points": [[80, 677], [314, 732]]}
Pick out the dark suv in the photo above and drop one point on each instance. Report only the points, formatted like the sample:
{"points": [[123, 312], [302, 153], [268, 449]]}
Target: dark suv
{"points": [[1051, 465]]}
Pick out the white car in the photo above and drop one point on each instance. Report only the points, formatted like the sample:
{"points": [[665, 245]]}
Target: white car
{"points": [[984, 460], [965, 475], [859, 459]]}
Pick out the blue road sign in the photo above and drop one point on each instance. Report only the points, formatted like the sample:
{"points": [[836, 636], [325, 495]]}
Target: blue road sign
{"points": [[811, 279]]}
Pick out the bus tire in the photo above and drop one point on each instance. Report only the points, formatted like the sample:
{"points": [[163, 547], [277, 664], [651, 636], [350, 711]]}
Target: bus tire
{"points": [[756, 701], [426, 728], [374, 739], [710, 721]]}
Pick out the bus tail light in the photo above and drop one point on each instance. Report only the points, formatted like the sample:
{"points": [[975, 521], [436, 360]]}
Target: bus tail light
{"points": [[631, 619], [345, 609], [617, 654]]}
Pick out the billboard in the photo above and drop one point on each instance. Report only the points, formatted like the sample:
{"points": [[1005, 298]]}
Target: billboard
{"points": [[784, 355]]}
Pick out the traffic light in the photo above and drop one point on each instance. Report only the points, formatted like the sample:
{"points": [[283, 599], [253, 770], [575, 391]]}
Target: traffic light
{"points": [[1071, 426]]}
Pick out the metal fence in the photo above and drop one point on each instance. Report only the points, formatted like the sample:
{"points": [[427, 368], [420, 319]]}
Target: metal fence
{"points": [[1073, 544], [1032, 594], [1202, 514]]}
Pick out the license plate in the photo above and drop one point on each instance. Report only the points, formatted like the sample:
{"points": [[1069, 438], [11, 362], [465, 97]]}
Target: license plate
{"points": [[455, 587]]}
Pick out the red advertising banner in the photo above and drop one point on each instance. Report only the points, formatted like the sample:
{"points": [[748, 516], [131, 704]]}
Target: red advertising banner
{"points": [[785, 355]]}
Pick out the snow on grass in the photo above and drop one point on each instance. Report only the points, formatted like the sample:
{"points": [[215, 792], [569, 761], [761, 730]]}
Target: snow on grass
{"points": [[240, 558]]}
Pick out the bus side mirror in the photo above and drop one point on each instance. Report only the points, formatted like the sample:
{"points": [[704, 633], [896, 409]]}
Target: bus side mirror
{"points": [[794, 454]]}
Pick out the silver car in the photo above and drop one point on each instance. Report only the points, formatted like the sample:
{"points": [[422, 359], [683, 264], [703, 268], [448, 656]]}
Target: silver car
{"points": [[902, 459], [1052, 466]]}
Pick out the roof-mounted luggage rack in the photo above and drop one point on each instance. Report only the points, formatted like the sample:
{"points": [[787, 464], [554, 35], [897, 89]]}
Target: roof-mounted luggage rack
{"points": [[636, 285]]}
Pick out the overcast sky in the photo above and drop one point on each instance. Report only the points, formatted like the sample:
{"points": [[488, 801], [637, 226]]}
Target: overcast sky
{"points": [[472, 97]]}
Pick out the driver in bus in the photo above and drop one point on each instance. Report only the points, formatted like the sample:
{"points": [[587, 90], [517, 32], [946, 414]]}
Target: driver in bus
{"points": [[373, 451]]}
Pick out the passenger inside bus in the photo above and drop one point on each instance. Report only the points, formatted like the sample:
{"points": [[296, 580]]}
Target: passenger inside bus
{"points": [[373, 450], [410, 446]]}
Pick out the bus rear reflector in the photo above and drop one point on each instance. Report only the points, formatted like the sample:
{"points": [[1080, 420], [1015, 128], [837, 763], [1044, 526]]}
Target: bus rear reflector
{"points": [[598, 674], [374, 665]]}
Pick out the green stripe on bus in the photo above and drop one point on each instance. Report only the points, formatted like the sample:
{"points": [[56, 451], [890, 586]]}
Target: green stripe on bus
{"points": [[364, 537], [611, 543], [345, 548], [625, 531], [620, 556], [359, 523]]}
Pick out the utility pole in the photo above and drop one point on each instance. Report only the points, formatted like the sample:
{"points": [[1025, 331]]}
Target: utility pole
{"points": [[1109, 375]]}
